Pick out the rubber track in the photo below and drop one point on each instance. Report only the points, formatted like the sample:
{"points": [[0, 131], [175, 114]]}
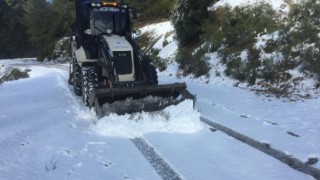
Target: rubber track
{"points": [[266, 148], [164, 170]]}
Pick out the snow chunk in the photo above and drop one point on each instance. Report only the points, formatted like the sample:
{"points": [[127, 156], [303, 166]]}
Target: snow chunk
{"points": [[174, 119], [163, 32], [158, 29]]}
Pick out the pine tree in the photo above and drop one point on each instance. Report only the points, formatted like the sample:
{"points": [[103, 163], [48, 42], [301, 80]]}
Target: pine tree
{"points": [[64, 14], [38, 20], [187, 19], [5, 24], [14, 40], [18, 6], [48, 22], [151, 10]]}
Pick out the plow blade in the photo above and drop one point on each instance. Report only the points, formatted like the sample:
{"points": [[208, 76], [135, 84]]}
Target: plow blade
{"points": [[138, 99]]}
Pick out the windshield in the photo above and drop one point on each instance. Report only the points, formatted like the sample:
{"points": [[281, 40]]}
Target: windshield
{"points": [[107, 19]]}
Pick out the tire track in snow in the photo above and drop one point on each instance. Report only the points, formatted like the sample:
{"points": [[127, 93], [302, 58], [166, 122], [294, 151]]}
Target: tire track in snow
{"points": [[266, 148], [164, 170]]}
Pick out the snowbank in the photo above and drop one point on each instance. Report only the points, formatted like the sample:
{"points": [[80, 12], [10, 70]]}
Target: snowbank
{"points": [[174, 119]]}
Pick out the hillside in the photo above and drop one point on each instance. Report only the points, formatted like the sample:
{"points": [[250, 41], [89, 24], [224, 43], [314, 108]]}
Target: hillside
{"points": [[272, 70]]}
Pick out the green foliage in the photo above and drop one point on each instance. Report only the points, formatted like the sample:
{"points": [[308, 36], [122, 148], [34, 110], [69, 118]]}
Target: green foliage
{"points": [[290, 43], [38, 20], [165, 43], [302, 36], [270, 71], [61, 53], [298, 41], [235, 68], [47, 23], [33, 27], [14, 40], [151, 11], [18, 7], [145, 40], [159, 62], [15, 74], [193, 63], [311, 60], [233, 32], [187, 19], [64, 13], [237, 28]]}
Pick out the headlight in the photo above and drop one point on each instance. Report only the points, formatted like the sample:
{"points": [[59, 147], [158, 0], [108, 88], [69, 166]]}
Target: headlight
{"points": [[110, 4], [88, 31], [137, 32], [109, 31]]}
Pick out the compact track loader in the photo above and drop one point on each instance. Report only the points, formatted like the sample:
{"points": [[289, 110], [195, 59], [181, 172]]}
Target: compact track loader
{"points": [[108, 68]]}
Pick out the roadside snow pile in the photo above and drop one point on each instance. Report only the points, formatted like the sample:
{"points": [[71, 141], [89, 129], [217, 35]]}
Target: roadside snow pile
{"points": [[22, 61], [11, 72], [162, 37], [174, 119], [158, 29], [3, 70]]}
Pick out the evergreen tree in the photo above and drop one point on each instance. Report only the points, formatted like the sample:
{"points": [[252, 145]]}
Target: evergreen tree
{"points": [[38, 20], [64, 14], [42, 23], [150, 10], [5, 24], [14, 40], [48, 22], [18, 6], [187, 19]]}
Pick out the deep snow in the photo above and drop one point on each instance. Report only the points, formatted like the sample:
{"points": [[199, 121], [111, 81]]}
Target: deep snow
{"points": [[174, 119], [47, 133]]}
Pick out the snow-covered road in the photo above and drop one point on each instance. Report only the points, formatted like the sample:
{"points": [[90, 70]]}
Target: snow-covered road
{"points": [[42, 136], [47, 133]]}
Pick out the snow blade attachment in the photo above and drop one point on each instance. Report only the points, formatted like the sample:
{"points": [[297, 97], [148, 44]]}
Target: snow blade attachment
{"points": [[138, 99]]}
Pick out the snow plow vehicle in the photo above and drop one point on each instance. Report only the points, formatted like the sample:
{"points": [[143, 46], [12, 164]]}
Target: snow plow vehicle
{"points": [[108, 69]]}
